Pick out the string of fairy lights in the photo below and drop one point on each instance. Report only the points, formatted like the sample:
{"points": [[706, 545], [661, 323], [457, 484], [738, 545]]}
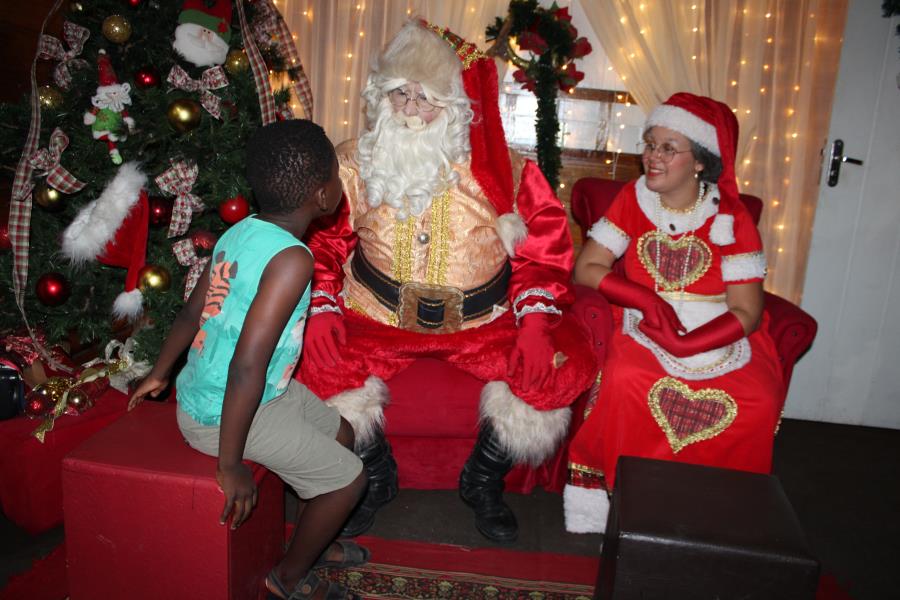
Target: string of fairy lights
{"points": [[766, 113]]}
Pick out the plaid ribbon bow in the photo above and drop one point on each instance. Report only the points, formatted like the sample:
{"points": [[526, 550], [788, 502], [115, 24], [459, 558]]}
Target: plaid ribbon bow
{"points": [[51, 48], [212, 79], [47, 160], [186, 256], [178, 181], [268, 25]]}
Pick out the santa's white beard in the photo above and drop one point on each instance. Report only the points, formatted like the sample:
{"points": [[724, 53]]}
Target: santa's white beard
{"points": [[405, 165], [199, 45]]}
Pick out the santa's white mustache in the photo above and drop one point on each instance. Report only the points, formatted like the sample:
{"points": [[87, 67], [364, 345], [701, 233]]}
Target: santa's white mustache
{"points": [[413, 122]]}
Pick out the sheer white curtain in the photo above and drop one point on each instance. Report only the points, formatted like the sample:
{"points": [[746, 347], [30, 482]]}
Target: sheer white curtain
{"points": [[338, 38], [774, 62]]}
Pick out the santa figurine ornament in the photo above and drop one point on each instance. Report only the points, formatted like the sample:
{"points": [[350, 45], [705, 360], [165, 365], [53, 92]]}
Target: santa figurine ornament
{"points": [[108, 118], [203, 32]]}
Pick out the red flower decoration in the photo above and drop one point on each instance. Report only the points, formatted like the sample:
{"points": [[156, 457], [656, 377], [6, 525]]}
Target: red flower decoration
{"points": [[581, 48], [563, 14], [533, 42], [522, 77]]}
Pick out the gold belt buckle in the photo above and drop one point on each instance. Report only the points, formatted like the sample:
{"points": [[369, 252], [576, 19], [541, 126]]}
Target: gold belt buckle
{"points": [[412, 293]]}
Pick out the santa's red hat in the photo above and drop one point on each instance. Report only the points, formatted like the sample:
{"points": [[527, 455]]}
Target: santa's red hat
{"points": [[490, 161], [105, 73], [709, 123], [113, 230]]}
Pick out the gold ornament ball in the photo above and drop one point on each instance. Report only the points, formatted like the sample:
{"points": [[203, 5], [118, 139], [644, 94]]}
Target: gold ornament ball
{"points": [[49, 199], [79, 400], [116, 29], [50, 97], [184, 114], [52, 390], [236, 62], [154, 278]]}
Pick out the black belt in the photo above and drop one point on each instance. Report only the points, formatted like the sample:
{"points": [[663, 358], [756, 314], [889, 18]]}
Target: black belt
{"points": [[432, 301]]}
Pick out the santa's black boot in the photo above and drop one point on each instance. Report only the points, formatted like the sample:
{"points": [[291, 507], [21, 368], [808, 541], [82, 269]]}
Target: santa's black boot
{"points": [[381, 469], [481, 487]]}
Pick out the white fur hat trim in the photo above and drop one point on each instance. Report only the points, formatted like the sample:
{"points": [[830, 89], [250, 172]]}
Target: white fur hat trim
{"points": [[685, 123]]}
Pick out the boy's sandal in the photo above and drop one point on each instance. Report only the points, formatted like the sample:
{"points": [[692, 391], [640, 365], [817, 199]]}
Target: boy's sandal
{"points": [[354, 556], [306, 589]]}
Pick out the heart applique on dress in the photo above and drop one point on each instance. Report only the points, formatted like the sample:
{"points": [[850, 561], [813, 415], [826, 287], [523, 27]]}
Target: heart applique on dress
{"points": [[658, 249], [688, 416]]}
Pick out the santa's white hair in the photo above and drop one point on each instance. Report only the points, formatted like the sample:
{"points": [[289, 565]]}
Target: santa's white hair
{"points": [[199, 45], [404, 165]]}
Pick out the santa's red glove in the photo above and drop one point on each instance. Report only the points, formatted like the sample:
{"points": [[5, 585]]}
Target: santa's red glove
{"points": [[324, 333], [533, 352], [657, 312], [721, 331]]}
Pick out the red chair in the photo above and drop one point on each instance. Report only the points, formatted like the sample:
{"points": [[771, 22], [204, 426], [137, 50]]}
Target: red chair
{"points": [[792, 329]]}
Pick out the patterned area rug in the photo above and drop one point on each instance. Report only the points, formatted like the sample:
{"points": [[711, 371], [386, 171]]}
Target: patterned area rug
{"points": [[420, 571]]}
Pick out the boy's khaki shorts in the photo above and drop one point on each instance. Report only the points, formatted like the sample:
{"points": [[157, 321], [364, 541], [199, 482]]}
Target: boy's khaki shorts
{"points": [[292, 436]]}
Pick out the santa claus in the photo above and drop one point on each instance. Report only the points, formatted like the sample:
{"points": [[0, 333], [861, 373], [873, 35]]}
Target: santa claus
{"points": [[447, 246]]}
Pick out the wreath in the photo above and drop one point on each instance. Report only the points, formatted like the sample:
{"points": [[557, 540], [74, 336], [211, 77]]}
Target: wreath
{"points": [[552, 40]]}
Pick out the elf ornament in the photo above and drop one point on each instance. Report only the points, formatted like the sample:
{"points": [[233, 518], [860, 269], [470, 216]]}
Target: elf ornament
{"points": [[204, 31], [108, 118]]}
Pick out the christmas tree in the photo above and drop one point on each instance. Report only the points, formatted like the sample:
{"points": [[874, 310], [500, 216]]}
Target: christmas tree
{"points": [[141, 136]]}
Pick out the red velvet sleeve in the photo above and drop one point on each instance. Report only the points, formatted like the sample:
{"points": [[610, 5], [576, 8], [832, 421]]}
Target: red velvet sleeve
{"points": [[544, 260], [331, 240]]}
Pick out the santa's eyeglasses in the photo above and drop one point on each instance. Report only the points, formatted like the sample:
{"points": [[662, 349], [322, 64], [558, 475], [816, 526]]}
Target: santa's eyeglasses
{"points": [[400, 97]]}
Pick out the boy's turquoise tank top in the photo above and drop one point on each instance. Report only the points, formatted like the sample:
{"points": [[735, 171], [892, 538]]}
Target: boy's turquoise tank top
{"points": [[238, 262]]}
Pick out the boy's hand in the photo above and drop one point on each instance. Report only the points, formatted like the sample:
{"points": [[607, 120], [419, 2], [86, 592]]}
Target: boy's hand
{"points": [[240, 493], [152, 384]]}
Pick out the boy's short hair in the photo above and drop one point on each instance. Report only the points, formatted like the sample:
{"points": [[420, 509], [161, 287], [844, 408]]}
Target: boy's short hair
{"points": [[286, 162]]}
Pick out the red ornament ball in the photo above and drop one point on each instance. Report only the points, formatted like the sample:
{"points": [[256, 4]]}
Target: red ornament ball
{"points": [[37, 405], [160, 211], [134, 3], [146, 77], [234, 209], [52, 289], [203, 240], [5, 242]]}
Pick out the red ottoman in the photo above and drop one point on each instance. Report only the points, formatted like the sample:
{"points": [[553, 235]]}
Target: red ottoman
{"points": [[142, 517]]}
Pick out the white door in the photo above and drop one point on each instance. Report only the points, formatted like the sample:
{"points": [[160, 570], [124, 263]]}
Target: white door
{"points": [[852, 373]]}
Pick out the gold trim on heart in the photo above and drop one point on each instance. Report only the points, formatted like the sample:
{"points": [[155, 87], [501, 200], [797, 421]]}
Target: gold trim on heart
{"points": [[673, 253], [688, 416]]}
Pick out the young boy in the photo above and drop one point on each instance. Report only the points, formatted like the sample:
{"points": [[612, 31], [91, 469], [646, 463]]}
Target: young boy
{"points": [[244, 322]]}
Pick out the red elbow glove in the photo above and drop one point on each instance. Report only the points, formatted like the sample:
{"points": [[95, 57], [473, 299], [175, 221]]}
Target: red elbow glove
{"points": [[721, 331], [534, 349], [656, 311], [324, 333]]}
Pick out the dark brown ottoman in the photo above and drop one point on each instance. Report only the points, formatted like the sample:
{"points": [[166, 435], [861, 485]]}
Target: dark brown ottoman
{"points": [[678, 531]]}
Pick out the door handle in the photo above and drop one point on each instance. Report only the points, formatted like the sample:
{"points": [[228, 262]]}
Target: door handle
{"points": [[834, 162]]}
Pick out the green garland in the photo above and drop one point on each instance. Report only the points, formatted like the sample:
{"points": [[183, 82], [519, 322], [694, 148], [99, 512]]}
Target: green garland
{"points": [[553, 41]]}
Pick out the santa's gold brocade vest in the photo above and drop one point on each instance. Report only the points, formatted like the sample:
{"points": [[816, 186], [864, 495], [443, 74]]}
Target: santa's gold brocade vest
{"points": [[454, 242]]}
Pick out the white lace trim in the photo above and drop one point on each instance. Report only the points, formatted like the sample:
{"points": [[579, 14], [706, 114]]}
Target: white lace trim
{"points": [[682, 222], [533, 292], [705, 365], [608, 234], [321, 294], [740, 267], [540, 307], [334, 308]]}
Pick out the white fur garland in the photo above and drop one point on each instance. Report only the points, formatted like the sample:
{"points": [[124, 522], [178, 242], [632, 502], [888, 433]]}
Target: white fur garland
{"points": [[96, 224], [512, 231], [721, 233]]}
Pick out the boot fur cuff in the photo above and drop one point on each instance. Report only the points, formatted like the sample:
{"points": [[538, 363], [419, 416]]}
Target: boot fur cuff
{"points": [[527, 434], [363, 408]]}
